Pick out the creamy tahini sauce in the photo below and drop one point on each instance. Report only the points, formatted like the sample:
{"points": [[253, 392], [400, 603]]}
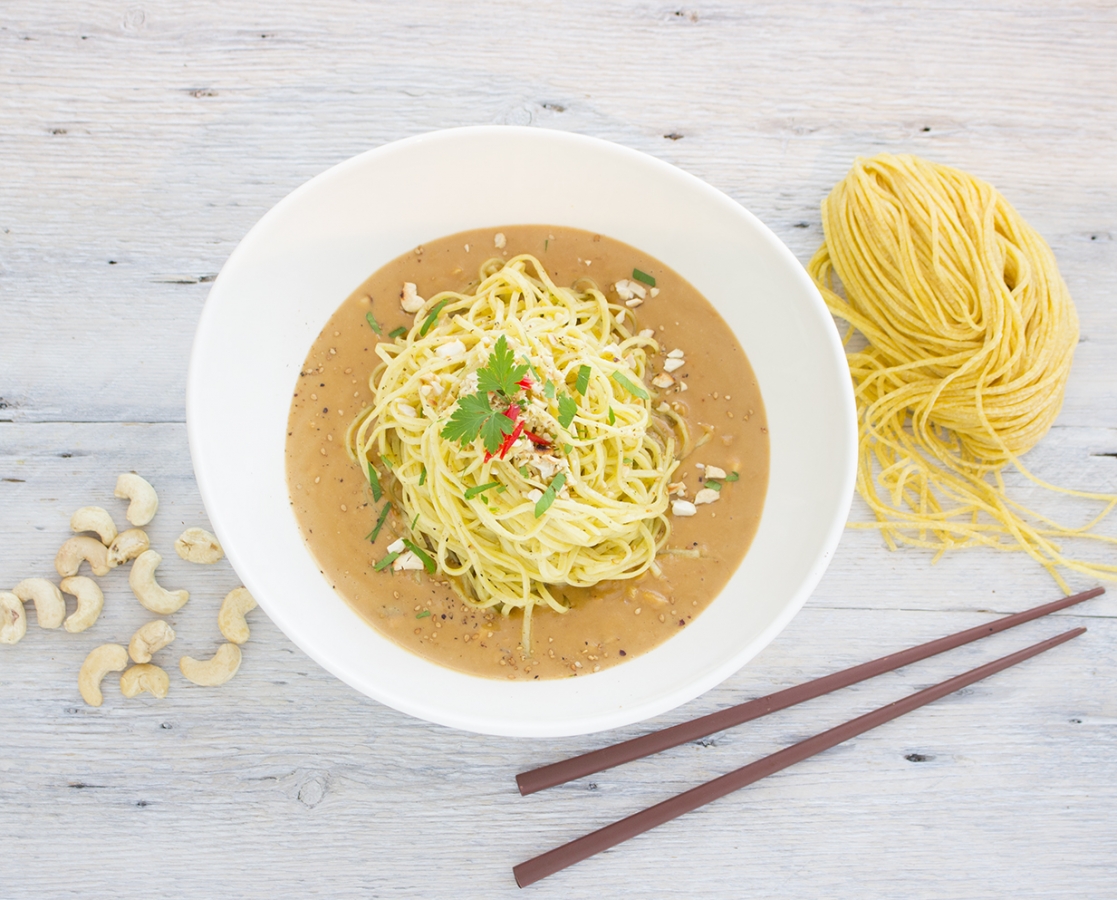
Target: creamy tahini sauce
{"points": [[607, 624]]}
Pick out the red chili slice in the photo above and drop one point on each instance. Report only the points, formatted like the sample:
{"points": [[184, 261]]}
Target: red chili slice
{"points": [[525, 383], [510, 439], [541, 441]]}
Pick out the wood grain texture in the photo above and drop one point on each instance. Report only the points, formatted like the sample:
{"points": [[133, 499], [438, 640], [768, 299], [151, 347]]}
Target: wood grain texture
{"points": [[138, 143]]}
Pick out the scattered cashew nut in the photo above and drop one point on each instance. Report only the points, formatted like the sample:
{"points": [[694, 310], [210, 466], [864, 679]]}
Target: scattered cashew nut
{"points": [[211, 672], [145, 502], [127, 545], [231, 618], [145, 677], [101, 660], [148, 639], [90, 602], [76, 549], [94, 518], [142, 581], [50, 608], [197, 545], [13, 620]]}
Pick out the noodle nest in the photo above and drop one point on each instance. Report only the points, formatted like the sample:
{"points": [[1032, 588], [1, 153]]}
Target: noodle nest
{"points": [[519, 542], [969, 334]]}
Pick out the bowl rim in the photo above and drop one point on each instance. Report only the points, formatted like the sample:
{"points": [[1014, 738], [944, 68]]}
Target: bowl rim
{"points": [[433, 712]]}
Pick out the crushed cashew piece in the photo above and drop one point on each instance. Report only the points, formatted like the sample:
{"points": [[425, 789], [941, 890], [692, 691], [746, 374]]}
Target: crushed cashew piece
{"points": [[407, 562], [148, 639], [683, 508], [715, 472], [671, 365], [499, 241], [663, 380], [409, 300], [197, 545], [144, 677], [706, 495]]}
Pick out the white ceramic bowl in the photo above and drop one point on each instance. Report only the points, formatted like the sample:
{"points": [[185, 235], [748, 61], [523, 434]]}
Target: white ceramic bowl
{"points": [[307, 254]]}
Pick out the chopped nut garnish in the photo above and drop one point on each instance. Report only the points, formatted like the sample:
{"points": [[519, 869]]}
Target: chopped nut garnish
{"points": [[670, 365], [409, 300], [499, 240], [715, 472], [663, 380], [684, 507], [706, 495]]}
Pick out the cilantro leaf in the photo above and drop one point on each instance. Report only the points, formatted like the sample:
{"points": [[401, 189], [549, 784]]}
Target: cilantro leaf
{"points": [[501, 373], [630, 386], [567, 410], [583, 382], [465, 424]]}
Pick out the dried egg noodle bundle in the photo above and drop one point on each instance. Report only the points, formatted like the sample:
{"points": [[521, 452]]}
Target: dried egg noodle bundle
{"points": [[970, 333], [577, 493]]}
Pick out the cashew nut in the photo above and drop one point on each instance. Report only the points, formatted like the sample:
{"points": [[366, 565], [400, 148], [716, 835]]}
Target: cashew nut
{"points": [[197, 545], [145, 502], [146, 677], [149, 638], [101, 660], [231, 618], [90, 602], [142, 581], [13, 620], [50, 608], [127, 545], [94, 518], [211, 672], [76, 549]]}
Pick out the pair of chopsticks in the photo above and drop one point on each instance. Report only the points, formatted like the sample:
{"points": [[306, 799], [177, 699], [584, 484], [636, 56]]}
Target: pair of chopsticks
{"points": [[584, 847]]}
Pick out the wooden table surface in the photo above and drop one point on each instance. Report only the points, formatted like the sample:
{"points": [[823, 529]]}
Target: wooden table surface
{"points": [[138, 144]]}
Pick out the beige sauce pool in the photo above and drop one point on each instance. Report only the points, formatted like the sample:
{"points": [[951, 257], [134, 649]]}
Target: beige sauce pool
{"points": [[613, 621]]}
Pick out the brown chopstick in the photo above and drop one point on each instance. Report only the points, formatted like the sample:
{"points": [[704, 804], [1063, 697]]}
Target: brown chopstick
{"points": [[607, 757], [584, 847]]}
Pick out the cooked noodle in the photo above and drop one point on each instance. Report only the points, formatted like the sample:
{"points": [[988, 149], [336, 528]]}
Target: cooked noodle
{"points": [[616, 456]]}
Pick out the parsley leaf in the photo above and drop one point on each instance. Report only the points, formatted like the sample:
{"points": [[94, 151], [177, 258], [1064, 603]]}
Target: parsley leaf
{"points": [[566, 448], [373, 324], [567, 410], [544, 502], [549, 390], [583, 382], [629, 386], [501, 373]]}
